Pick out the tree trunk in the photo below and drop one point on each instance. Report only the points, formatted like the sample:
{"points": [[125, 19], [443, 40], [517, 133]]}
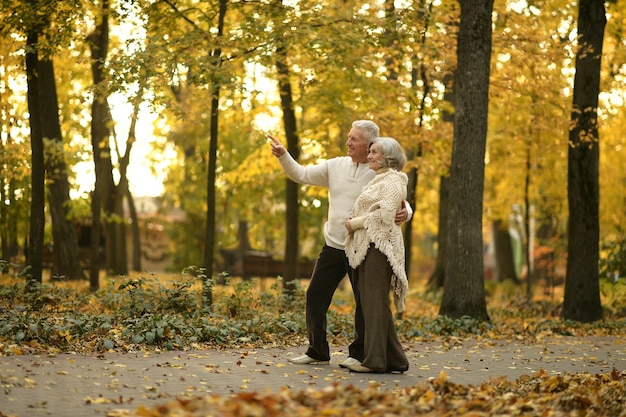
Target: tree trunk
{"points": [[66, 256], [134, 221], [290, 271], [438, 277], [582, 293], [5, 232], [545, 256], [209, 245], [418, 72], [122, 190], [135, 232], [113, 203], [117, 247], [505, 261], [11, 215], [389, 39], [110, 194], [38, 199], [527, 239], [100, 134], [464, 289], [209, 248]]}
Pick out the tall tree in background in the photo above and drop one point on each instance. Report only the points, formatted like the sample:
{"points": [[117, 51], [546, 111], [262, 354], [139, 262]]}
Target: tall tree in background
{"points": [[290, 270], [125, 72], [108, 195], [15, 178], [132, 210], [38, 199], [202, 28], [66, 260], [14, 186], [582, 289], [209, 249], [35, 18], [393, 63], [100, 133], [526, 166], [193, 79], [66, 256], [464, 289], [503, 248], [438, 276]]}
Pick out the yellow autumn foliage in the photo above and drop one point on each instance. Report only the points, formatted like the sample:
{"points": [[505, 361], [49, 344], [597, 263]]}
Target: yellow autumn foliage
{"points": [[259, 167]]}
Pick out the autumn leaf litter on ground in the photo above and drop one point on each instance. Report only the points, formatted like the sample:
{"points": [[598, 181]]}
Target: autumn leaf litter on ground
{"points": [[153, 317], [537, 394]]}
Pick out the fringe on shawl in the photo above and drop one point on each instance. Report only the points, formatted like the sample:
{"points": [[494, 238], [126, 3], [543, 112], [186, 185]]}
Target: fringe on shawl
{"points": [[381, 234], [399, 281]]}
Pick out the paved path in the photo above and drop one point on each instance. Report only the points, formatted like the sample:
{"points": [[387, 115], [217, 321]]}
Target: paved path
{"points": [[74, 385]]}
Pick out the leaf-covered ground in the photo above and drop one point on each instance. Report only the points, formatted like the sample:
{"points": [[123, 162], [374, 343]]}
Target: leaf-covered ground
{"points": [[155, 313], [532, 395]]}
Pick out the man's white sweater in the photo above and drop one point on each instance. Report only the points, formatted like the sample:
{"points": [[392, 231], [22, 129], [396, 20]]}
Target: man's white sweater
{"points": [[344, 178]]}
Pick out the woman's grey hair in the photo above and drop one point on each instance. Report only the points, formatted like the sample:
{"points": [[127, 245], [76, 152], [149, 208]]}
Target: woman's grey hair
{"points": [[393, 155], [370, 129]]}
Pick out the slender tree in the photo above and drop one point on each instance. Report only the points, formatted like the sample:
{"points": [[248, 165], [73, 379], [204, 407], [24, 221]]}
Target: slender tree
{"points": [[290, 270], [66, 256], [526, 171], [100, 133], [582, 289], [38, 200], [505, 261], [132, 136], [14, 195], [464, 290], [438, 277], [209, 250], [34, 18]]}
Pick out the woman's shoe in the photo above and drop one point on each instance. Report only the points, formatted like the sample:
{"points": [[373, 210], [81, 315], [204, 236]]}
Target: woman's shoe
{"points": [[350, 362], [398, 370], [307, 360], [364, 369]]}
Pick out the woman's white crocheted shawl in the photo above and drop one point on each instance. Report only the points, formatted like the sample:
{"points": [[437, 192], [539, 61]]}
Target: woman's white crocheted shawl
{"points": [[378, 204]]}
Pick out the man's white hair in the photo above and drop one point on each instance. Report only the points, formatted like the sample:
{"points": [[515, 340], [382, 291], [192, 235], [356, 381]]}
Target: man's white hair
{"points": [[370, 129]]}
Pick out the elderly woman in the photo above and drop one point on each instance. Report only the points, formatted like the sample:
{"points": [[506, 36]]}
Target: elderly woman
{"points": [[375, 250]]}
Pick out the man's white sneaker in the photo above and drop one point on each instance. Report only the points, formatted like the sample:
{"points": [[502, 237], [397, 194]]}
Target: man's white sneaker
{"points": [[307, 360], [349, 362]]}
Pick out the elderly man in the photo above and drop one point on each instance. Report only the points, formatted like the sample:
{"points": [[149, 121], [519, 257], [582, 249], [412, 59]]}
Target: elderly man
{"points": [[344, 176]]}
